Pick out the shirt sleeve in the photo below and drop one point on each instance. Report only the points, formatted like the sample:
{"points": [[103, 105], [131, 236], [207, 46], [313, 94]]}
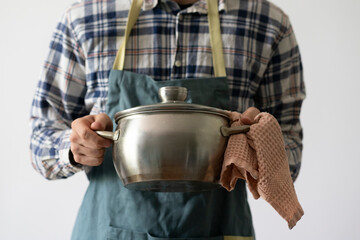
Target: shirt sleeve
{"points": [[58, 100], [282, 92]]}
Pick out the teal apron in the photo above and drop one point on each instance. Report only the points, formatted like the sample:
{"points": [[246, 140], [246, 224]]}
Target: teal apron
{"points": [[111, 211]]}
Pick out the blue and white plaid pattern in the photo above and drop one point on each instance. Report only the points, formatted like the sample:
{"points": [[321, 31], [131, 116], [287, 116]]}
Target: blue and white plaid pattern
{"points": [[261, 56]]}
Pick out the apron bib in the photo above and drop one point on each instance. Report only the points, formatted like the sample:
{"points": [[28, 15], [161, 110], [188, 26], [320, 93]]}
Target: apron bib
{"points": [[111, 211]]}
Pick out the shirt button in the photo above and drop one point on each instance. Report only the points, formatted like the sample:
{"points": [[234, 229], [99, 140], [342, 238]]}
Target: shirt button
{"points": [[178, 63]]}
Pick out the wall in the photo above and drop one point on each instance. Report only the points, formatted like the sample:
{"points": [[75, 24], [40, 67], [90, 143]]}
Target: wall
{"points": [[328, 186]]}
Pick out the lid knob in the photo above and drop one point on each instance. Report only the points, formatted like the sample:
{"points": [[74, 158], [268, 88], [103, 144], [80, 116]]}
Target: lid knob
{"points": [[172, 94]]}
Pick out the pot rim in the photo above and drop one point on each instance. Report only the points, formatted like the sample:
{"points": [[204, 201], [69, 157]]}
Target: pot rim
{"points": [[176, 107]]}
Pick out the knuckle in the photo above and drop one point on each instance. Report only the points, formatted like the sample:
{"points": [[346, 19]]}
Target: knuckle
{"points": [[100, 153], [102, 115], [76, 122], [73, 137], [81, 126], [84, 135], [78, 158], [99, 142], [98, 161], [75, 148]]}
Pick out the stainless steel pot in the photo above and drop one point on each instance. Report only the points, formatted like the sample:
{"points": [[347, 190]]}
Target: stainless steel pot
{"points": [[171, 146]]}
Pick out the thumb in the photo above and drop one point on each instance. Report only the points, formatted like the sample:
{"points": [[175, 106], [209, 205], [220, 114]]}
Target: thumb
{"points": [[249, 115], [102, 122]]}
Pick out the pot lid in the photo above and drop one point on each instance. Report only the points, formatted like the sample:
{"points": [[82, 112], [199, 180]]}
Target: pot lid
{"points": [[173, 100]]}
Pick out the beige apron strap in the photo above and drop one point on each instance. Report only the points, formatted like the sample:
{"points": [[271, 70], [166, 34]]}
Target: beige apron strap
{"points": [[132, 17], [214, 29], [215, 38]]}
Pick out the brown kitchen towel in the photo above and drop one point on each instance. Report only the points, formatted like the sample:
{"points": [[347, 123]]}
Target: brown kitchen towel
{"points": [[259, 157]]}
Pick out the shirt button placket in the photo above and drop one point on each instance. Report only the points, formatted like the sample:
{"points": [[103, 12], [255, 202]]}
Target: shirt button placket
{"points": [[178, 58], [177, 63]]}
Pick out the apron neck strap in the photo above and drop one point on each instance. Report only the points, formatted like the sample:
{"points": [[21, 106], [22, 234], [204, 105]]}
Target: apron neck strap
{"points": [[132, 17], [214, 30], [215, 38]]}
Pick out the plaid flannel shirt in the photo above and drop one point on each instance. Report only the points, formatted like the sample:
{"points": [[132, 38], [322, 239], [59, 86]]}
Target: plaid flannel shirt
{"points": [[261, 56]]}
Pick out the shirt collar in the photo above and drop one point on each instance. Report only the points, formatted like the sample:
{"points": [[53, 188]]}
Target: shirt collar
{"points": [[200, 6]]}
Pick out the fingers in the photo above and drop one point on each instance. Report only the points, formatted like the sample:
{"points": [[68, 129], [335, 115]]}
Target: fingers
{"points": [[234, 116], [85, 151], [102, 122], [84, 135], [87, 156], [249, 115], [87, 147]]}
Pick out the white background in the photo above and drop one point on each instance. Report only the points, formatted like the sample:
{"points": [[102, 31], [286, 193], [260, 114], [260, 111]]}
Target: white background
{"points": [[328, 187]]}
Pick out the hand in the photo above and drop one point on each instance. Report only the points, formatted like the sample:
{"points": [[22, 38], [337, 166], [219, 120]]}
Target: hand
{"points": [[247, 118], [87, 147]]}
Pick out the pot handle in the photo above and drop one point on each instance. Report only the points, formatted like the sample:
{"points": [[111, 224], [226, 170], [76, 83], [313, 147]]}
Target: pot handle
{"points": [[227, 131], [109, 135]]}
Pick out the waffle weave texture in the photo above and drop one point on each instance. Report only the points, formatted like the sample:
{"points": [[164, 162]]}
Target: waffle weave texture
{"points": [[259, 157]]}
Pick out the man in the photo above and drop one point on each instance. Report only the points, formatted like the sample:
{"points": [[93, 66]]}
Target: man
{"points": [[170, 40]]}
